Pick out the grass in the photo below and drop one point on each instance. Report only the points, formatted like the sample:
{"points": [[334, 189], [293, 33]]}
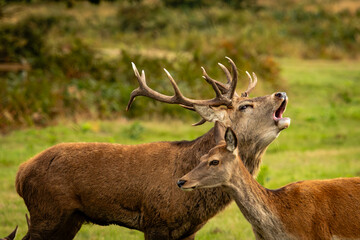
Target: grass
{"points": [[322, 142]]}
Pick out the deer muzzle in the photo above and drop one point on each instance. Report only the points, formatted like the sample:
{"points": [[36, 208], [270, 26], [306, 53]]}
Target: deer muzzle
{"points": [[281, 122]]}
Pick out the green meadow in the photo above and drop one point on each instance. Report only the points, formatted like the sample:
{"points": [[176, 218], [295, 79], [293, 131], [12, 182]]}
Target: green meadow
{"points": [[323, 141], [81, 78]]}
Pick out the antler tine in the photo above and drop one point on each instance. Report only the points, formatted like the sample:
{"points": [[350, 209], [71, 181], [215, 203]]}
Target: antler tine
{"points": [[229, 88], [136, 92], [219, 100], [227, 73], [212, 82], [201, 122], [187, 107], [135, 70], [255, 80], [175, 86], [144, 90], [252, 84], [12, 235], [234, 78], [27, 220], [221, 86]]}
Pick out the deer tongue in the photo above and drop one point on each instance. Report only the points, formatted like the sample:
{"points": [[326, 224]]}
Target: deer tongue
{"points": [[283, 123]]}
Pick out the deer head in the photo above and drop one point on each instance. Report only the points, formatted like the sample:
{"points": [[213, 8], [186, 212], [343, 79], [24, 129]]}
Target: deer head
{"points": [[256, 121], [11, 235], [216, 168]]}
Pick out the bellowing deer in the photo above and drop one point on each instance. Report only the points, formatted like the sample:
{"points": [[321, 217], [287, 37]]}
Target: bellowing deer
{"points": [[11, 235], [133, 186], [315, 209]]}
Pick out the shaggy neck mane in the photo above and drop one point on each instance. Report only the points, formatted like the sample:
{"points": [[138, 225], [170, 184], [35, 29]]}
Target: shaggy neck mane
{"points": [[255, 204]]}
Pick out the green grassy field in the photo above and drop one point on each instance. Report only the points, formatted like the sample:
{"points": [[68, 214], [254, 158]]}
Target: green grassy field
{"points": [[323, 141]]}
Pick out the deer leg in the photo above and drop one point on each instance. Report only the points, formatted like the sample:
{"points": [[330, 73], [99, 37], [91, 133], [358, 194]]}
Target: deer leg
{"points": [[191, 237], [56, 227], [156, 234]]}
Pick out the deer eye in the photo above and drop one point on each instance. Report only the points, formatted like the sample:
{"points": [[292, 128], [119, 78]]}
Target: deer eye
{"points": [[244, 107], [214, 163]]}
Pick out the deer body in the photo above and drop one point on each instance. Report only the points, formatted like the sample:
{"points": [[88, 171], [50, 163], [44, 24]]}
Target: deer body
{"points": [[316, 209], [133, 185], [112, 184]]}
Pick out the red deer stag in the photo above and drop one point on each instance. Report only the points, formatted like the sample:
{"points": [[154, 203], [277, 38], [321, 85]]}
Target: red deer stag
{"points": [[11, 236], [316, 209], [133, 186]]}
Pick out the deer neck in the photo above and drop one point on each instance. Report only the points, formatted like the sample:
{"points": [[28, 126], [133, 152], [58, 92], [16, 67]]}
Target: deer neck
{"points": [[255, 203], [251, 153]]}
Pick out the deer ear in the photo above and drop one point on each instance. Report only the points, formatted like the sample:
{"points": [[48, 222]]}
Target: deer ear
{"points": [[230, 139], [213, 114], [219, 132]]}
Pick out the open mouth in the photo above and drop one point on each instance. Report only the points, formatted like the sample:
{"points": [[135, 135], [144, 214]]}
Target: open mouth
{"points": [[279, 112], [281, 122]]}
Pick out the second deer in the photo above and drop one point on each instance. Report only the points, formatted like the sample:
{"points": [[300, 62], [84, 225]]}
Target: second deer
{"points": [[316, 209]]}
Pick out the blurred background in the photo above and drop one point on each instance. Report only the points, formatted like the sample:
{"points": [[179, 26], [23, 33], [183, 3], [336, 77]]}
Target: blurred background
{"points": [[65, 75], [72, 58]]}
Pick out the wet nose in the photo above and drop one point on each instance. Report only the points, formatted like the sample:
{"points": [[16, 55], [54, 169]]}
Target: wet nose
{"points": [[281, 95], [180, 183]]}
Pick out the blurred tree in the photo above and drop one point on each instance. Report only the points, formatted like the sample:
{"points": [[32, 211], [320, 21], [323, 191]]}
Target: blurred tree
{"points": [[97, 2], [2, 6], [70, 3], [238, 4]]}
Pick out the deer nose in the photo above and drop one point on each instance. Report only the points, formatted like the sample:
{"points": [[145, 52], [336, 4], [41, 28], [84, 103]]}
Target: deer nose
{"points": [[281, 95], [180, 183]]}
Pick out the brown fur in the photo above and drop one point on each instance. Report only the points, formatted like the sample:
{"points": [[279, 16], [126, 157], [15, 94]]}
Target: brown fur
{"points": [[134, 186], [316, 209]]}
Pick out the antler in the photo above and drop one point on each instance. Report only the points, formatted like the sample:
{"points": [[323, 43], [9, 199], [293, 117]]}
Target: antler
{"points": [[224, 93], [12, 235], [252, 84], [27, 221], [229, 88]]}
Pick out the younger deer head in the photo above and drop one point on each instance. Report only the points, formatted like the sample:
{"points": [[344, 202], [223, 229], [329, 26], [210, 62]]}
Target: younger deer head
{"points": [[216, 168], [255, 121]]}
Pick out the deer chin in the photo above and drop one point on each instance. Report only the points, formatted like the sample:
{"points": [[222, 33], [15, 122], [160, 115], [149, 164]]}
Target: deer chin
{"points": [[280, 121]]}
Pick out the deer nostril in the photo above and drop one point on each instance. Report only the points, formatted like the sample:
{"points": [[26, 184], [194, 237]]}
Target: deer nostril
{"points": [[180, 183], [280, 95]]}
